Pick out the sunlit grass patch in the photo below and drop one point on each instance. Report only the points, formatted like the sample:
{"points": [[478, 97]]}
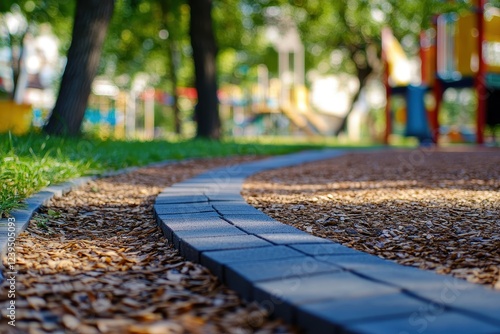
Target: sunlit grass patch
{"points": [[29, 163]]}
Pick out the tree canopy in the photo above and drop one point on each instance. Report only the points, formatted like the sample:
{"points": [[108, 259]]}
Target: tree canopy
{"points": [[152, 37]]}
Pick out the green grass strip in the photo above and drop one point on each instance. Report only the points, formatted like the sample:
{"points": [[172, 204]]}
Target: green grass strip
{"points": [[29, 163]]}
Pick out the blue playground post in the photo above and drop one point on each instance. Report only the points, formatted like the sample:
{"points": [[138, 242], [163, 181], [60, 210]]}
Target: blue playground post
{"points": [[417, 124]]}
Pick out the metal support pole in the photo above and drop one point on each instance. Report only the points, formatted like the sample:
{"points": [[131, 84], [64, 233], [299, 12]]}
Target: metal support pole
{"points": [[480, 84], [284, 67], [299, 66]]}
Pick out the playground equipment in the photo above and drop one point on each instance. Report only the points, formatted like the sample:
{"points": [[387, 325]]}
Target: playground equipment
{"points": [[460, 51], [282, 102], [15, 117]]}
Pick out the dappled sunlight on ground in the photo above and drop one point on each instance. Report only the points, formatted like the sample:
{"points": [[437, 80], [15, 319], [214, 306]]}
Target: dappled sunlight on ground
{"points": [[94, 261], [440, 211]]}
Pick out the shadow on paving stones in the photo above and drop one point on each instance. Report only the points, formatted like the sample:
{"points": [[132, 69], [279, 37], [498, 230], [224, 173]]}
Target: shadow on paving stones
{"points": [[433, 209], [94, 261]]}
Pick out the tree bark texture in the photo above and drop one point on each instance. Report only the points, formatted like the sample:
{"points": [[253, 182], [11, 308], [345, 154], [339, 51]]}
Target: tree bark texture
{"points": [[170, 12], [204, 55], [92, 18]]}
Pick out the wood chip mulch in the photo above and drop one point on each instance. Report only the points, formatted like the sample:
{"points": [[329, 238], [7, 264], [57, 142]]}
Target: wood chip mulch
{"points": [[94, 261], [432, 209]]}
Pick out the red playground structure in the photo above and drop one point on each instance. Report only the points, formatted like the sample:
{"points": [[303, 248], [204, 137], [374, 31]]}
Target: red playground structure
{"points": [[459, 51]]}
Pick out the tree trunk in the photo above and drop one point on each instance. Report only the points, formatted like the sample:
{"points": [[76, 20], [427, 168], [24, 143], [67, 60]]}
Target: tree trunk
{"points": [[92, 18], [171, 9], [362, 78], [16, 56], [204, 55], [364, 70]]}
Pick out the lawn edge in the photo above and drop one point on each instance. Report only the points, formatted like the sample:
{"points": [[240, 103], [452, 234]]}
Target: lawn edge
{"points": [[19, 218]]}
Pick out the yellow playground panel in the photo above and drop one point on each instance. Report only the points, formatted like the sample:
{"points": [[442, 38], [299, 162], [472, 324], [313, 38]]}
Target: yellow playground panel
{"points": [[397, 61], [466, 44], [15, 117]]}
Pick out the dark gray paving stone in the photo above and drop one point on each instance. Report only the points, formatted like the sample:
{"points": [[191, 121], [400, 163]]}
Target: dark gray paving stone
{"points": [[259, 218], [216, 261], [21, 215], [477, 301], [225, 174], [33, 206], [286, 295], [201, 178], [414, 279], [180, 199], [174, 194], [406, 277], [259, 224], [169, 191], [225, 197], [292, 238], [170, 209], [188, 207], [330, 316], [241, 276], [442, 290], [193, 223], [235, 208], [191, 248], [188, 216], [194, 188], [40, 198], [206, 232], [325, 249], [188, 222], [428, 322], [203, 205], [167, 232], [267, 228], [4, 233], [361, 263]]}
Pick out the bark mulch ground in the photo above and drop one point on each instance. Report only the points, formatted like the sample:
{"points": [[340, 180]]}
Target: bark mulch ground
{"points": [[434, 209], [94, 261]]}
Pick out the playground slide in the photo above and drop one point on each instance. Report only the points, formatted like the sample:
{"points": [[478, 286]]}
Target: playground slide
{"points": [[307, 122], [310, 122], [318, 122]]}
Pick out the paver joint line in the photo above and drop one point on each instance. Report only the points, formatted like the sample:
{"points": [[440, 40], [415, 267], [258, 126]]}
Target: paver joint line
{"points": [[311, 293]]}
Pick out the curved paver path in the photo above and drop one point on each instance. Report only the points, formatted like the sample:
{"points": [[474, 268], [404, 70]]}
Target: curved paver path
{"points": [[320, 285]]}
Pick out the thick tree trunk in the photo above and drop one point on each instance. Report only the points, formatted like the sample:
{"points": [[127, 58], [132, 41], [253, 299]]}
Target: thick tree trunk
{"points": [[204, 55], [170, 12], [92, 18]]}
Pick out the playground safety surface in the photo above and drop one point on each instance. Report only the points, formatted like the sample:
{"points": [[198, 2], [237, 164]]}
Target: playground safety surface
{"points": [[99, 279], [430, 209]]}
